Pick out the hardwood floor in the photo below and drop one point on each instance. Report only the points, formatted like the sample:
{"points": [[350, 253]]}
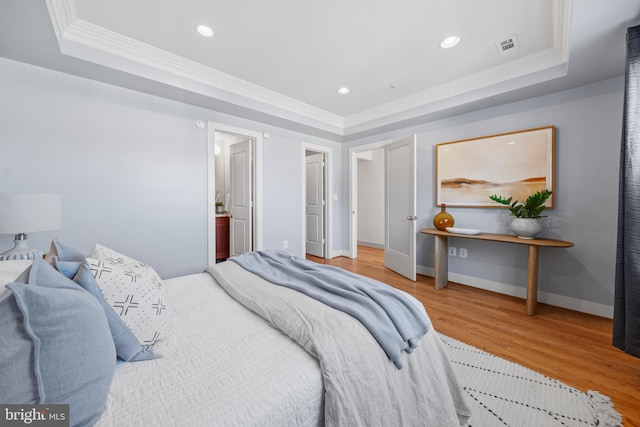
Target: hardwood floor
{"points": [[567, 345]]}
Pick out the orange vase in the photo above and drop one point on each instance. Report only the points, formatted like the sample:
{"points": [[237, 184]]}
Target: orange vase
{"points": [[443, 219]]}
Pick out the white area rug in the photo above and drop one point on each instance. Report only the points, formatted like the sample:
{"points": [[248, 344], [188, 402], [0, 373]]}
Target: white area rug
{"points": [[502, 393]]}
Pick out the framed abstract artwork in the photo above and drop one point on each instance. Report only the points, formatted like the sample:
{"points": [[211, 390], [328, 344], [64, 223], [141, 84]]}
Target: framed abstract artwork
{"points": [[515, 164]]}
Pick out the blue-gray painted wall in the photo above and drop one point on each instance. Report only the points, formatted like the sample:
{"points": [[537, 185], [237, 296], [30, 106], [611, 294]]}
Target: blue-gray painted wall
{"points": [[588, 122], [132, 171], [132, 167]]}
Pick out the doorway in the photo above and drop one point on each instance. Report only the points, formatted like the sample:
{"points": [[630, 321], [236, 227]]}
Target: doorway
{"points": [[354, 154], [370, 208], [235, 185], [399, 203], [316, 200]]}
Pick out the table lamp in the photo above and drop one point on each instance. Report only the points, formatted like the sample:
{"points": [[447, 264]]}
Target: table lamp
{"points": [[22, 213]]}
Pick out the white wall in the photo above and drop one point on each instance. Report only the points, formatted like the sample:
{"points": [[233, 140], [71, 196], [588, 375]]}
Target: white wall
{"points": [[588, 123], [370, 208], [132, 168]]}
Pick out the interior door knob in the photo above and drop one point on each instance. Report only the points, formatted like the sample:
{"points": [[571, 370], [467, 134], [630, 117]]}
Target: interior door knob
{"points": [[412, 217]]}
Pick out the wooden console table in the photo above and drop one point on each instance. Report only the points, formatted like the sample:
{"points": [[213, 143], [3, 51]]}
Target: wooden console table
{"points": [[442, 258]]}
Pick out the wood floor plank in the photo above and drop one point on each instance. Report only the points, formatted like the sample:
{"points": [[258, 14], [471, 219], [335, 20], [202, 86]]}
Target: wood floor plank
{"points": [[563, 344]]}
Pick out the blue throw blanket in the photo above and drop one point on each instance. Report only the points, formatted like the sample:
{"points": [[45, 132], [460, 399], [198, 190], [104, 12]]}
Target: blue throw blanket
{"points": [[393, 319]]}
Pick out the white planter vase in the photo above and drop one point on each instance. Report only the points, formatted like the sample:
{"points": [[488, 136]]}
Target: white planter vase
{"points": [[526, 228]]}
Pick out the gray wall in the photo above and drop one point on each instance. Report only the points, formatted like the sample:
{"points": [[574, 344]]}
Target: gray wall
{"points": [[370, 208], [132, 172], [588, 123], [132, 168]]}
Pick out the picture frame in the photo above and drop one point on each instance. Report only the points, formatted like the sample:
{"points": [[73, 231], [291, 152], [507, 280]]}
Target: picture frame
{"points": [[514, 164]]}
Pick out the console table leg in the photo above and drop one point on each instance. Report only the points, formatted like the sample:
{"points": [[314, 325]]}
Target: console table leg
{"points": [[532, 284], [441, 259]]}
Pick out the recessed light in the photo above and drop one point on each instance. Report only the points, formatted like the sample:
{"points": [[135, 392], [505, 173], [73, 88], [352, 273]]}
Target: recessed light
{"points": [[343, 90], [449, 42], [205, 31]]}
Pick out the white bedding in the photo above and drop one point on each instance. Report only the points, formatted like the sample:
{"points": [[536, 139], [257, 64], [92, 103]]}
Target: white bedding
{"points": [[362, 386], [222, 366]]}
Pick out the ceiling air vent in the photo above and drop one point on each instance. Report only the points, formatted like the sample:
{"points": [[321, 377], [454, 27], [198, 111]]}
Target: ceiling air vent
{"points": [[508, 45]]}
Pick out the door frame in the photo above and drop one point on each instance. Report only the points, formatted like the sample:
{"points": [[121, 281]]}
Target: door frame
{"points": [[328, 187], [353, 191], [212, 128]]}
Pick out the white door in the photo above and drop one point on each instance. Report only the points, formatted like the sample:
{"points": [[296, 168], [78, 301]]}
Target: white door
{"points": [[400, 207], [241, 203], [315, 204]]}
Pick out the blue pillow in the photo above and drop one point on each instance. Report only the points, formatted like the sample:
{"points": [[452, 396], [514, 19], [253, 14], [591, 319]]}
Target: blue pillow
{"points": [[127, 345], [71, 357], [17, 355], [68, 268], [64, 258], [135, 332], [64, 252]]}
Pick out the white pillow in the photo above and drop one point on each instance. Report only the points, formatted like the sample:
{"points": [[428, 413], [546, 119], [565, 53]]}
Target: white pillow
{"points": [[11, 269], [136, 294]]}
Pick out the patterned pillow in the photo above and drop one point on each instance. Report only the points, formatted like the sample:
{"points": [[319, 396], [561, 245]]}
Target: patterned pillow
{"points": [[133, 297]]}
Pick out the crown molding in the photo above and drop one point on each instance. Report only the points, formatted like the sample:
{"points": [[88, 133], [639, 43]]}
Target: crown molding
{"points": [[562, 25], [525, 71], [539, 66], [93, 43], [63, 13], [75, 36]]}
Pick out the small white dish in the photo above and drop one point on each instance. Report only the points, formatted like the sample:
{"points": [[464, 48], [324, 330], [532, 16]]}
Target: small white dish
{"points": [[456, 230]]}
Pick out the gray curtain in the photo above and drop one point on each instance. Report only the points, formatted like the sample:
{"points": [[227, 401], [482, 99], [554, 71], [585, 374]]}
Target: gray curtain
{"points": [[626, 316]]}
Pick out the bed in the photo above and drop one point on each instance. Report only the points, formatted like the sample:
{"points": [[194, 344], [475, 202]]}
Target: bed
{"points": [[229, 361]]}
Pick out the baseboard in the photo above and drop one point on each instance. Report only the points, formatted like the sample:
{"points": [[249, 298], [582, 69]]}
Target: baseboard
{"points": [[576, 304], [338, 253], [370, 244]]}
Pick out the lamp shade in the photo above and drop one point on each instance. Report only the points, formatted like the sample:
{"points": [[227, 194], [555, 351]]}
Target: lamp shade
{"points": [[29, 212]]}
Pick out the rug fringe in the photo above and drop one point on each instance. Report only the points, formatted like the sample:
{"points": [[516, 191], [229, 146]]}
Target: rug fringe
{"points": [[606, 415]]}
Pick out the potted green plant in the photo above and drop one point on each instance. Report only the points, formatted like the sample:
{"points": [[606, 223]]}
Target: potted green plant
{"points": [[219, 208], [525, 223]]}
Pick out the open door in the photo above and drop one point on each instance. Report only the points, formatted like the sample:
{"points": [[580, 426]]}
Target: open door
{"points": [[400, 207], [315, 204], [241, 203], [220, 139]]}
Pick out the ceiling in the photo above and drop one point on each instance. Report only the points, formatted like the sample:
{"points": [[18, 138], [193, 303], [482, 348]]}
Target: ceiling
{"points": [[282, 61]]}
